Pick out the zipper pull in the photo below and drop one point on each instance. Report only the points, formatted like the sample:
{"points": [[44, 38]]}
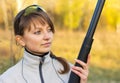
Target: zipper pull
{"points": [[42, 60]]}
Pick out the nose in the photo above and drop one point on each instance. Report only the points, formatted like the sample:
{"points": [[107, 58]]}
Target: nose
{"points": [[46, 36]]}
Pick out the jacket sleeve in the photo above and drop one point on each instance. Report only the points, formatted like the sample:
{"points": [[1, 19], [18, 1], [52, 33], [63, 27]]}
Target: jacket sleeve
{"points": [[1, 80]]}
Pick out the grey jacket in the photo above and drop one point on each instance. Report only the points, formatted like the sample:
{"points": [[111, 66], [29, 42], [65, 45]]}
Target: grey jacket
{"points": [[27, 70]]}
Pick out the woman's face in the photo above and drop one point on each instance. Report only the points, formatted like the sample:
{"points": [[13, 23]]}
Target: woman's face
{"points": [[38, 39]]}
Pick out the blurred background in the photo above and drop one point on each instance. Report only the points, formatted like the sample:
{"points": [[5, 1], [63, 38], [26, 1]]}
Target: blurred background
{"points": [[71, 19]]}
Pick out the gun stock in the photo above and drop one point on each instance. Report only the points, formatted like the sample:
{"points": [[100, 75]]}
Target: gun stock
{"points": [[88, 40]]}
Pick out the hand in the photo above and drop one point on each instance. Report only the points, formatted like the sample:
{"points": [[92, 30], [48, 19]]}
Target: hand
{"points": [[81, 72]]}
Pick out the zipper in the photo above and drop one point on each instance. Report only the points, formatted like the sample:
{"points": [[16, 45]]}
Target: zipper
{"points": [[40, 69]]}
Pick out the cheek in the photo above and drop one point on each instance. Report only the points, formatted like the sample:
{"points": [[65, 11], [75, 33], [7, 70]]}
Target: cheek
{"points": [[32, 41], [35, 41], [33, 44], [51, 36]]}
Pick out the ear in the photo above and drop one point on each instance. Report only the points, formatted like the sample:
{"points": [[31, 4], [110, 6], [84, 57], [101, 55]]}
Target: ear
{"points": [[19, 40]]}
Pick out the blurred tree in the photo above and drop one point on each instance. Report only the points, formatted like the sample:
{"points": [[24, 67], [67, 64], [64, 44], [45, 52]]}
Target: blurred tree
{"points": [[19, 4], [8, 10], [69, 14], [5, 17], [112, 14], [74, 14]]}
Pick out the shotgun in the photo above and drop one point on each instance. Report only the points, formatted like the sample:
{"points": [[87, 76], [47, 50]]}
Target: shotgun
{"points": [[88, 40]]}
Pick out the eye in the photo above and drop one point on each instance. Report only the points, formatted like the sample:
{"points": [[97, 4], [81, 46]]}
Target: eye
{"points": [[49, 30], [37, 32]]}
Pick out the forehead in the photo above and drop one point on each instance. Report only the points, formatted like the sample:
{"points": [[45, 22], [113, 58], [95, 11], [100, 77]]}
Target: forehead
{"points": [[37, 23]]}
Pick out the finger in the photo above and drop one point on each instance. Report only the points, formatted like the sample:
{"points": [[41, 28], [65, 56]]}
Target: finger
{"points": [[84, 65], [80, 74], [81, 70], [77, 69]]}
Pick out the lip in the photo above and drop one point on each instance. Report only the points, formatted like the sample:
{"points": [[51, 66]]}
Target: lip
{"points": [[46, 44]]}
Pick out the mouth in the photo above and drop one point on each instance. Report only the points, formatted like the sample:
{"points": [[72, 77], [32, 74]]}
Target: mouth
{"points": [[48, 44]]}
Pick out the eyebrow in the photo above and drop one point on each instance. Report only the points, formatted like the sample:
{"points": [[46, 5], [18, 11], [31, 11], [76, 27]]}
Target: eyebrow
{"points": [[41, 27]]}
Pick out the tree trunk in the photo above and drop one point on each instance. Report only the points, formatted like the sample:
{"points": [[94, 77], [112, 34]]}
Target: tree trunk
{"points": [[5, 17]]}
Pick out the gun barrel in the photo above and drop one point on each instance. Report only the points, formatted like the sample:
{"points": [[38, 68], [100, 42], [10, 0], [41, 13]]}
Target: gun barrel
{"points": [[88, 40], [95, 18]]}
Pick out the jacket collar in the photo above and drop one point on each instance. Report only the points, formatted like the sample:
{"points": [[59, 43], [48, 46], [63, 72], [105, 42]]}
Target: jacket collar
{"points": [[33, 60]]}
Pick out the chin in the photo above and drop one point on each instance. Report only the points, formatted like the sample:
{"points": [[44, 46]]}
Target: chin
{"points": [[46, 50]]}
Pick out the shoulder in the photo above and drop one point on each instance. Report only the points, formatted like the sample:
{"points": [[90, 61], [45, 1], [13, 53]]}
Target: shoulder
{"points": [[11, 73], [58, 65]]}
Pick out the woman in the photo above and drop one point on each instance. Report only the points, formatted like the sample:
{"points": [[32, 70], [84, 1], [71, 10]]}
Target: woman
{"points": [[34, 31]]}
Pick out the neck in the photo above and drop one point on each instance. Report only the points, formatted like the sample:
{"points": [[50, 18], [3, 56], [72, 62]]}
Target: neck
{"points": [[39, 55]]}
